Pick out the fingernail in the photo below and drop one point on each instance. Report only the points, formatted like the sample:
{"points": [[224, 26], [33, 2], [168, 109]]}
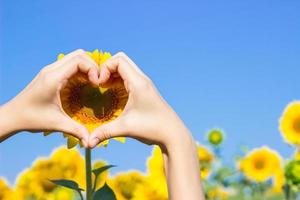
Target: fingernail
{"points": [[94, 142]]}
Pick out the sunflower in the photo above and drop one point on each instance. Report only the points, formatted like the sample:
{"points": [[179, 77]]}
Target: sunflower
{"points": [[157, 176], [5, 190], [92, 106], [219, 193], [297, 154], [215, 136], [206, 158], [34, 182], [278, 181], [289, 124], [260, 164], [125, 184]]}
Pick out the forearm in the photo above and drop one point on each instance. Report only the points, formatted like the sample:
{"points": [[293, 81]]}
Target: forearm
{"points": [[182, 169], [8, 122]]}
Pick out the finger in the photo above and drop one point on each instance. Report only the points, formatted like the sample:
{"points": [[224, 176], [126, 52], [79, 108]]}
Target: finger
{"points": [[67, 125], [79, 61], [112, 82], [110, 130], [123, 55], [118, 65]]}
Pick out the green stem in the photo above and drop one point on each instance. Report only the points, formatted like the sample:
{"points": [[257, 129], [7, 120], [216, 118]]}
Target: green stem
{"points": [[287, 191], [81, 197], [88, 168]]}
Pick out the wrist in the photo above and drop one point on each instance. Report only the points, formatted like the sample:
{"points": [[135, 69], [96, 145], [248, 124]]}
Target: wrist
{"points": [[178, 139], [9, 123]]}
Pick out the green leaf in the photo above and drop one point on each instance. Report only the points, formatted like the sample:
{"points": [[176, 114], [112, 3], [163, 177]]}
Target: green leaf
{"points": [[67, 183], [104, 193], [100, 170]]}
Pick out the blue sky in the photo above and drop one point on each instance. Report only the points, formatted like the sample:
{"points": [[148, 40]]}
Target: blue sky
{"points": [[229, 64]]}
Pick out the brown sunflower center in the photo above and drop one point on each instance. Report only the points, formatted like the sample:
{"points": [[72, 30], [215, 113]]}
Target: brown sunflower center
{"points": [[101, 104], [259, 164], [296, 125], [89, 105]]}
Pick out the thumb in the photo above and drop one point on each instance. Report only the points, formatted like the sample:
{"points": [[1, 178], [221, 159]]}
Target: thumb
{"points": [[69, 126], [110, 130]]}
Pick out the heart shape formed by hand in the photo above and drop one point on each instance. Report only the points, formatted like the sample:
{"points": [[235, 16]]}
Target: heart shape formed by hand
{"points": [[92, 106]]}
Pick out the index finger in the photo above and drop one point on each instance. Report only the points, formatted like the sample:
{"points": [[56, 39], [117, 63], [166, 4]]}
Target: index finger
{"points": [[79, 61], [118, 65]]}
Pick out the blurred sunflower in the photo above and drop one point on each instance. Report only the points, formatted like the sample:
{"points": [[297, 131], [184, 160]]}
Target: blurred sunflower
{"points": [[5, 191], [278, 181], [219, 193], [34, 182], [125, 184], [289, 123], [260, 164], [157, 177], [61, 193], [215, 136], [297, 154], [103, 176], [92, 106], [206, 159]]}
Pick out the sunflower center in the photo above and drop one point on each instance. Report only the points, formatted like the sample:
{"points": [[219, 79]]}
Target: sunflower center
{"points": [[296, 125], [259, 164], [89, 105], [101, 104]]}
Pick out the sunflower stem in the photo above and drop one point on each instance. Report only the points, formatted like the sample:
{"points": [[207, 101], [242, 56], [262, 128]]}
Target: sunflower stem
{"points": [[88, 170]]}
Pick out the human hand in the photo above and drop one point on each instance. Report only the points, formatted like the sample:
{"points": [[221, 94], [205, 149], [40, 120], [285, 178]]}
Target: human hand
{"points": [[146, 116], [39, 107]]}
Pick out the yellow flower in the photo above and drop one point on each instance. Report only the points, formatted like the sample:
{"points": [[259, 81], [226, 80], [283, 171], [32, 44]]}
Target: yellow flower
{"points": [[102, 177], [206, 158], [260, 164], [62, 193], [63, 164], [92, 106], [5, 190], [125, 184], [154, 186], [297, 154], [215, 136], [157, 177], [219, 193], [289, 124], [279, 181]]}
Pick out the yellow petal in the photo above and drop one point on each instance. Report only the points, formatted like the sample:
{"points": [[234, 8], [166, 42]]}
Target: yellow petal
{"points": [[102, 90], [60, 56], [95, 56], [72, 142], [120, 139], [104, 143]]}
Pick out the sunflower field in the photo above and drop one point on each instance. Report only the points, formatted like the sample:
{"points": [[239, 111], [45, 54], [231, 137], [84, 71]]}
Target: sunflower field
{"points": [[258, 174]]}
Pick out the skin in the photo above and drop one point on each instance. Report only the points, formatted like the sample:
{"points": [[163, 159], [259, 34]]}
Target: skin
{"points": [[147, 117], [38, 107]]}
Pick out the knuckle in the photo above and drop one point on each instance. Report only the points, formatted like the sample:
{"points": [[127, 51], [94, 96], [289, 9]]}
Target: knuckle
{"points": [[105, 134], [121, 54], [144, 84], [121, 59], [47, 78], [44, 71], [80, 51]]}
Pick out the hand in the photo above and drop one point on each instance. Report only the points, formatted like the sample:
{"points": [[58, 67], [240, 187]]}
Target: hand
{"points": [[38, 106], [146, 117]]}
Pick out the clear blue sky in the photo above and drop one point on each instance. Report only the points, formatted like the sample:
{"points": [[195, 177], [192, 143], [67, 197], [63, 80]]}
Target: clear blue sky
{"points": [[230, 64]]}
